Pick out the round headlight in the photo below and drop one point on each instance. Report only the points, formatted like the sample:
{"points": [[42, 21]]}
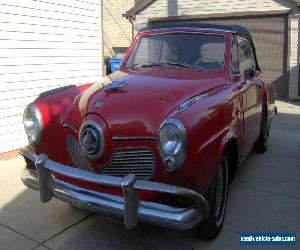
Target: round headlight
{"points": [[91, 140], [32, 120], [172, 143], [170, 139]]}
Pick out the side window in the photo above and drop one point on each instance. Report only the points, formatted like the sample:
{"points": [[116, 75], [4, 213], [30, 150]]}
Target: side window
{"points": [[147, 51], [245, 55], [234, 57]]}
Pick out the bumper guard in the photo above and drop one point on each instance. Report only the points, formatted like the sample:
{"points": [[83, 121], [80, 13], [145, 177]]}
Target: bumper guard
{"points": [[129, 206]]}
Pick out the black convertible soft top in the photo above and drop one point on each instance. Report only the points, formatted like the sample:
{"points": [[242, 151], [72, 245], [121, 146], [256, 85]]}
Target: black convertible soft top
{"points": [[236, 29]]}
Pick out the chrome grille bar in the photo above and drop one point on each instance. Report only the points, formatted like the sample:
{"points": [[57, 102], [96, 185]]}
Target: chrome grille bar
{"points": [[137, 161], [129, 160]]}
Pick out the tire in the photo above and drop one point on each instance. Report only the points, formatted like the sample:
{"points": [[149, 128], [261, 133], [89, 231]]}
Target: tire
{"points": [[217, 199], [261, 145]]}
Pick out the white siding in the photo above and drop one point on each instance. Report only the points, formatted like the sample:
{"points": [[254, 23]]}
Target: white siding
{"points": [[117, 30], [44, 44], [169, 8]]}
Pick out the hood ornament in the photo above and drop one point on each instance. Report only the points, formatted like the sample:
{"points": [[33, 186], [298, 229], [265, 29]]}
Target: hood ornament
{"points": [[115, 85]]}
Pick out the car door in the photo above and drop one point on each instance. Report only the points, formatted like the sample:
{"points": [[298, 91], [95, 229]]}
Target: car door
{"points": [[251, 91]]}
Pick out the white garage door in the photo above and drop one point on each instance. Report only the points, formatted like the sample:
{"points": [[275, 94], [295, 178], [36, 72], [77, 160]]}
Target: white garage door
{"points": [[44, 44], [271, 41]]}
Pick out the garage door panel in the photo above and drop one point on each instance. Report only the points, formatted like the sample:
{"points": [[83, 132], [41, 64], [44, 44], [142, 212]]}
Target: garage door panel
{"points": [[268, 33], [272, 38], [258, 38]]}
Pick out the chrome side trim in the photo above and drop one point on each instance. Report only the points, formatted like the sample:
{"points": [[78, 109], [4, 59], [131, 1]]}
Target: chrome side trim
{"points": [[131, 138], [129, 207], [183, 106]]}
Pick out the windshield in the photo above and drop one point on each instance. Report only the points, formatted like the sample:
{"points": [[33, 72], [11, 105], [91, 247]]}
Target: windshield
{"points": [[204, 52]]}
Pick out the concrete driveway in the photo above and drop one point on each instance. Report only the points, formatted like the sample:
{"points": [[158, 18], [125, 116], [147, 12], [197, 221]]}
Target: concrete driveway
{"points": [[265, 196]]}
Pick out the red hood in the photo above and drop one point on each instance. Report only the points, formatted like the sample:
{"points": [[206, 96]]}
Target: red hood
{"points": [[145, 99]]}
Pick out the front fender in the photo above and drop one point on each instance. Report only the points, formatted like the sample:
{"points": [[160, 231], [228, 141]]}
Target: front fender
{"points": [[212, 124], [210, 153], [55, 108]]}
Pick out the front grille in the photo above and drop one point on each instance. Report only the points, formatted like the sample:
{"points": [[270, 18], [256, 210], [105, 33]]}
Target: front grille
{"points": [[77, 155], [137, 161]]}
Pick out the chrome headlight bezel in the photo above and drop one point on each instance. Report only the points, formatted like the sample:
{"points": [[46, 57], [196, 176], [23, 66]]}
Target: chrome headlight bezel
{"points": [[173, 160], [96, 131], [33, 112]]}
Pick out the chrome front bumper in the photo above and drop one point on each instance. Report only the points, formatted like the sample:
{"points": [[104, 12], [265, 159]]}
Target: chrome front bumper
{"points": [[129, 206]]}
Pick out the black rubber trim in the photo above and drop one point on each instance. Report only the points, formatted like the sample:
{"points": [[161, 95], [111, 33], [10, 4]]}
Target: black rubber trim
{"points": [[54, 91]]}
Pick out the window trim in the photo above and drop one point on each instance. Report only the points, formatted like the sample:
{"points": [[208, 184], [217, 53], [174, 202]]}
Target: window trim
{"points": [[142, 35], [253, 55], [234, 37], [253, 50]]}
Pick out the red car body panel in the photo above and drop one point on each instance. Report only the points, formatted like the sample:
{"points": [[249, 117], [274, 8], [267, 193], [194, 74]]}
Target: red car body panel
{"points": [[229, 111]]}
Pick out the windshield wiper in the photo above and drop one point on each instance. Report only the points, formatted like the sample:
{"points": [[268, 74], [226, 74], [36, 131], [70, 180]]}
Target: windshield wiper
{"points": [[145, 65], [183, 65], [178, 64]]}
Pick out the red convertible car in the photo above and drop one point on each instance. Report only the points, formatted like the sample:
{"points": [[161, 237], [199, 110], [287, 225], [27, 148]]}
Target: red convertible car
{"points": [[159, 140]]}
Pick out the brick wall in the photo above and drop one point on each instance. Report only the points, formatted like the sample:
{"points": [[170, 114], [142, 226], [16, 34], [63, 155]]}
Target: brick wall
{"points": [[116, 29]]}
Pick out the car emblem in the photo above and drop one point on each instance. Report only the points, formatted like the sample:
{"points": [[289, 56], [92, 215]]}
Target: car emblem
{"points": [[98, 105], [89, 140]]}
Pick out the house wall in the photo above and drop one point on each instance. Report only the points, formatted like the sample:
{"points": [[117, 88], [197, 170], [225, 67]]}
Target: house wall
{"points": [[44, 44], [163, 9], [294, 56], [169, 8], [117, 31]]}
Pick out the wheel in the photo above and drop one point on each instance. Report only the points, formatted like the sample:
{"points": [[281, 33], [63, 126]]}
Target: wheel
{"points": [[217, 199], [261, 145]]}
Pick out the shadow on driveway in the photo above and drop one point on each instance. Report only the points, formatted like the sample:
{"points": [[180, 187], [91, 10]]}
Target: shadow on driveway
{"points": [[264, 196]]}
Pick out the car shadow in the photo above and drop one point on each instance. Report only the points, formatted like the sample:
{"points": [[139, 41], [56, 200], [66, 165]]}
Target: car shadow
{"points": [[260, 183]]}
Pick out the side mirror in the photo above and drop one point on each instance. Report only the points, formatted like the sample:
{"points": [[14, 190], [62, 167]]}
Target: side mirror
{"points": [[249, 73]]}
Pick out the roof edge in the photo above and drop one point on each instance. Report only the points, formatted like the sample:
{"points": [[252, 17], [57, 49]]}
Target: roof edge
{"points": [[221, 15], [236, 29]]}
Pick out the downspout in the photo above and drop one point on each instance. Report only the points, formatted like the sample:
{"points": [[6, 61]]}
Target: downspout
{"points": [[130, 17], [140, 6], [132, 30]]}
